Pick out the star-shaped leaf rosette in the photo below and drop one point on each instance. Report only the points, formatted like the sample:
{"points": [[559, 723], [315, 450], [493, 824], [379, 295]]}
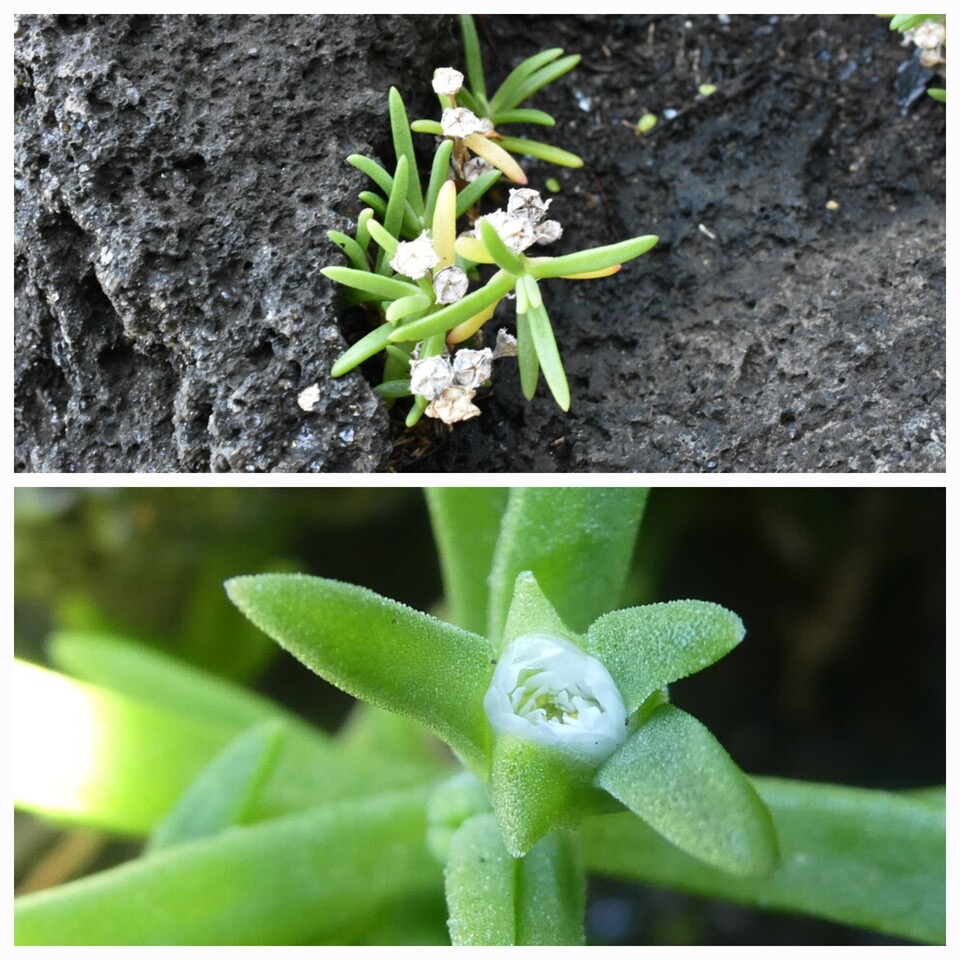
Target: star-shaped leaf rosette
{"points": [[557, 713]]}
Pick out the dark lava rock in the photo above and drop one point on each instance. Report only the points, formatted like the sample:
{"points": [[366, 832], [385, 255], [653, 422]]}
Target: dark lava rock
{"points": [[177, 175], [175, 180]]}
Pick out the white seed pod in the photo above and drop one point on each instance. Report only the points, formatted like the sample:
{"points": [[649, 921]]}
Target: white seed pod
{"points": [[447, 81], [450, 285], [549, 231], [475, 167], [547, 691], [459, 122], [517, 233], [929, 35], [506, 345], [453, 405], [472, 368], [527, 202], [415, 258], [430, 377]]}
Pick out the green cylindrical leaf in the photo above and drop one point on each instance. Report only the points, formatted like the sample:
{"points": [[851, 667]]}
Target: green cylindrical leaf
{"points": [[386, 288], [526, 355], [576, 541], [505, 258], [439, 172], [403, 148], [531, 612], [373, 170], [869, 858], [472, 192], [645, 648], [544, 342], [378, 650], [588, 260], [674, 774], [447, 318], [223, 793], [427, 126], [351, 248], [466, 524], [504, 98], [86, 755], [539, 79], [480, 882], [495, 900], [291, 880], [363, 349], [405, 307], [542, 151], [522, 115], [471, 54], [145, 674], [551, 894]]}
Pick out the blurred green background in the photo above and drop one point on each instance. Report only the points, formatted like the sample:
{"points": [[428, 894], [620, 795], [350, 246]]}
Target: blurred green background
{"points": [[841, 677]]}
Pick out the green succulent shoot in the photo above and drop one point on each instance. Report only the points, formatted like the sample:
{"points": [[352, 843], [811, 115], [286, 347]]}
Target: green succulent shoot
{"points": [[555, 718], [408, 264], [474, 121]]}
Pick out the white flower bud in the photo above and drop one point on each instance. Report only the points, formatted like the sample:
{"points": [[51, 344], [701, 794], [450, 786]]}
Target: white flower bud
{"points": [[547, 691], [447, 81], [450, 285], [528, 203], [415, 258], [459, 122], [453, 405], [472, 368], [430, 377], [549, 231]]}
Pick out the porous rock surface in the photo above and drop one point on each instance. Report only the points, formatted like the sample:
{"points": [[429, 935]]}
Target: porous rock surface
{"points": [[175, 179]]}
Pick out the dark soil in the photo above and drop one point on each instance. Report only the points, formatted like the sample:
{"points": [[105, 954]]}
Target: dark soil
{"points": [[175, 188]]}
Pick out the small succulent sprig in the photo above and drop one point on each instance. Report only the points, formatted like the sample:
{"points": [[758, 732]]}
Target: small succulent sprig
{"points": [[408, 261], [474, 121], [928, 32]]}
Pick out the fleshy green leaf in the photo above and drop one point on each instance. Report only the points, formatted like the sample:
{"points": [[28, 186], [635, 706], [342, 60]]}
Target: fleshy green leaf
{"points": [[368, 345], [447, 318], [526, 116], [907, 21], [472, 192], [647, 647], [576, 541], [373, 170], [505, 92], [551, 894], [378, 650], [480, 885], [531, 612], [548, 355], [294, 879], [403, 148], [144, 673], [674, 774], [86, 755], [542, 151], [222, 794], [504, 258], [466, 524], [386, 288], [351, 248], [527, 357], [586, 261], [406, 307], [869, 858], [471, 55], [537, 80], [427, 126], [439, 172], [535, 789], [495, 900]]}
